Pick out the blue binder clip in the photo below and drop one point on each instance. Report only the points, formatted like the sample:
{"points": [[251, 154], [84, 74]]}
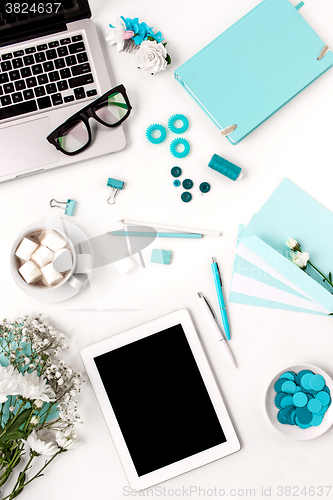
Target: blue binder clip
{"points": [[69, 206], [115, 186]]}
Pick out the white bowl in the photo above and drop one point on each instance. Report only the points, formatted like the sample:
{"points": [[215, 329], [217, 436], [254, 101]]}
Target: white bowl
{"points": [[293, 431]]}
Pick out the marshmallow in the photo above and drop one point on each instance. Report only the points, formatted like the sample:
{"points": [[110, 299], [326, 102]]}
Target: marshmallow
{"points": [[30, 272], [42, 256], [51, 276], [62, 260], [124, 265], [25, 249], [53, 241], [83, 264]]}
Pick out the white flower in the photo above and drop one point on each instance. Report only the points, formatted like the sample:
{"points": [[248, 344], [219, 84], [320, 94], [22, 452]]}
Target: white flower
{"points": [[293, 244], [119, 34], [67, 440], [300, 259], [9, 379], [38, 403], [151, 56], [42, 442], [33, 387], [34, 420]]}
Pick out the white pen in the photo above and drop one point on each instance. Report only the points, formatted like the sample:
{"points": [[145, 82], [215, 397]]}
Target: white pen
{"points": [[170, 227], [212, 321]]}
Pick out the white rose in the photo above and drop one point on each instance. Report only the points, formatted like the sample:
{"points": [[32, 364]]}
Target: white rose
{"points": [[151, 57]]}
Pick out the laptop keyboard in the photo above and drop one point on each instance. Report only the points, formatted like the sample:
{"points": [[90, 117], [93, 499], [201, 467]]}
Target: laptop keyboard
{"points": [[44, 76]]}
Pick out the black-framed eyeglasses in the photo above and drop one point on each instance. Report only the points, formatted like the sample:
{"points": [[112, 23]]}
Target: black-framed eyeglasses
{"points": [[74, 135]]}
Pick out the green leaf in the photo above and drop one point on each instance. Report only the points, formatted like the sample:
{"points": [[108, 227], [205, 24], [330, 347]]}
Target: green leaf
{"points": [[330, 277], [13, 435], [150, 38], [20, 420], [164, 44], [168, 59], [5, 448]]}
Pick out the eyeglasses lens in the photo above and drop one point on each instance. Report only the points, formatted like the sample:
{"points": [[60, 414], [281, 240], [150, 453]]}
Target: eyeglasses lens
{"points": [[74, 138], [113, 109]]}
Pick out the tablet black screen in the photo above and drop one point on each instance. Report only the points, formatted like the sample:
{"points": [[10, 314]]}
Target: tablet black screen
{"points": [[160, 400]]}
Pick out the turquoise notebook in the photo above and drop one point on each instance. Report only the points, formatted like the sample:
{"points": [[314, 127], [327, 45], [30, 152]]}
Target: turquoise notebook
{"points": [[255, 67]]}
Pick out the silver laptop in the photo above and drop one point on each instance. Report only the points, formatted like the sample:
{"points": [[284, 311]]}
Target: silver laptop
{"points": [[51, 66]]}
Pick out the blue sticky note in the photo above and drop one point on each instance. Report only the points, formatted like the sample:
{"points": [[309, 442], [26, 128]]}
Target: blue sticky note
{"points": [[160, 256], [245, 268], [268, 231]]}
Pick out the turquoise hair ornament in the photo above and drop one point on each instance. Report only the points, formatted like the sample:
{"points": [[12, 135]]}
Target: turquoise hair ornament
{"points": [[178, 130], [177, 142], [153, 128]]}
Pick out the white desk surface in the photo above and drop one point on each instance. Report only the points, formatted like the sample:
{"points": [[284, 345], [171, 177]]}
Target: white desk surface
{"points": [[296, 142]]}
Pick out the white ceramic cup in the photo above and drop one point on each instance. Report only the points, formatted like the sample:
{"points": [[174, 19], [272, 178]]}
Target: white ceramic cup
{"points": [[72, 280]]}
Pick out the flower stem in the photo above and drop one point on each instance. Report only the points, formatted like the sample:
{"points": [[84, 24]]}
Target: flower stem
{"points": [[11, 465], [20, 488], [321, 274]]}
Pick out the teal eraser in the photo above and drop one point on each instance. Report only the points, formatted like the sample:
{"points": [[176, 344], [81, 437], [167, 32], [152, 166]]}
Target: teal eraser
{"points": [[160, 256]]}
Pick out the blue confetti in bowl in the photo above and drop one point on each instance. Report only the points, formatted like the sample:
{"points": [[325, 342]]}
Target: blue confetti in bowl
{"points": [[281, 419]]}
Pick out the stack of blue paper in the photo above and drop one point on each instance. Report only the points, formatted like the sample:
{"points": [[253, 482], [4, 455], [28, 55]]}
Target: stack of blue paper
{"points": [[263, 273]]}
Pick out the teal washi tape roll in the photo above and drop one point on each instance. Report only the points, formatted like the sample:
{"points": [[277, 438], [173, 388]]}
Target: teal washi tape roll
{"points": [[225, 167]]}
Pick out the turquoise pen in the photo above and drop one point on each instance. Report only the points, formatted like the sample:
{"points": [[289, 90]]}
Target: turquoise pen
{"points": [[218, 286]]}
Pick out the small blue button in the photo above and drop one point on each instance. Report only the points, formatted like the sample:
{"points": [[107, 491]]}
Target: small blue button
{"points": [[186, 197], [176, 183], [176, 172], [187, 184], [204, 187]]}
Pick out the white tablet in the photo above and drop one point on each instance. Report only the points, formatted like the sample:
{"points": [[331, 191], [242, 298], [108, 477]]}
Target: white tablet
{"points": [[160, 400]]}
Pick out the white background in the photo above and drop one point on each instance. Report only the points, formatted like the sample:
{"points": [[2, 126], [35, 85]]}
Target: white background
{"points": [[295, 142]]}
